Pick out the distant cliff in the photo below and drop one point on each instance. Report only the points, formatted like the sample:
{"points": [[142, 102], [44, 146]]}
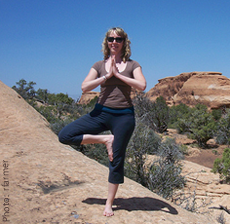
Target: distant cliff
{"points": [[209, 88], [87, 97]]}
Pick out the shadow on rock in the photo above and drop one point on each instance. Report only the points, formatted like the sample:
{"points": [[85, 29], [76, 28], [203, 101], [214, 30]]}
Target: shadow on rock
{"points": [[136, 203]]}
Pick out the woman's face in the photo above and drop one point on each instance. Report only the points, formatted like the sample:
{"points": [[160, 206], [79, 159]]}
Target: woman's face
{"points": [[115, 46]]}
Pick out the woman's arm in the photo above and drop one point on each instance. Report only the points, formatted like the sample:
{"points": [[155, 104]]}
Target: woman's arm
{"points": [[138, 82], [91, 81]]}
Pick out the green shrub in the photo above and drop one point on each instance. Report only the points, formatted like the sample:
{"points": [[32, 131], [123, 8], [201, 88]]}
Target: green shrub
{"points": [[165, 173], [184, 149], [57, 125], [26, 90], [222, 166], [217, 113], [161, 112], [165, 177], [199, 125], [223, 130], [176, 113], [153, 114], [49, 112], [143, 142]]}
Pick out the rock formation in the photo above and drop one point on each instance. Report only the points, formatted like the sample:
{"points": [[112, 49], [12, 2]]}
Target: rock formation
{"points": [[45, 181], [87, 97], [209, 88]]}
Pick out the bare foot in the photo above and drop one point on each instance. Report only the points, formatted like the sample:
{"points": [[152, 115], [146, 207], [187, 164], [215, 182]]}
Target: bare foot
{"points": [[108, 211], [109, 146]]}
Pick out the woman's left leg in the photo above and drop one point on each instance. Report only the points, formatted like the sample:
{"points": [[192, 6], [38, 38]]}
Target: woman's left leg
{"points": [[112, 190], [122, 127]]}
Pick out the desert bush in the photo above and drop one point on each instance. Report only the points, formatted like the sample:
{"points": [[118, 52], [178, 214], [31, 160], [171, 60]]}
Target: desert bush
{"points": [[42, 95], [176, 113], [184, 149], [153, 114], [26, 90], [164, 178], [58, 124], [216, 113], [199, 125], [223, 130], [143, 142], [222, 166], [161, 111], [164, 175], [49, 112], [170, 150]]}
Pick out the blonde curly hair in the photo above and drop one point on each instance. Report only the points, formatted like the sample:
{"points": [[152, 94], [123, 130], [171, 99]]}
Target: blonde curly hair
{"points": [[126, 51]]}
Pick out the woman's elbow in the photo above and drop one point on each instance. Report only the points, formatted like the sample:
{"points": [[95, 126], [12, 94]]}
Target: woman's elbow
{"points": [[84, 88], [143, 86]]}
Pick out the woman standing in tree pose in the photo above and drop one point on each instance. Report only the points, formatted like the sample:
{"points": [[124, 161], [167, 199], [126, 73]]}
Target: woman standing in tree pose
{"points": [[114, 111]]}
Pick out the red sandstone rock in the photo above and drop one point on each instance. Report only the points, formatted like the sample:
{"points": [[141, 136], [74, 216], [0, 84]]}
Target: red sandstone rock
{"points": [[209, 88], [87, 97]]}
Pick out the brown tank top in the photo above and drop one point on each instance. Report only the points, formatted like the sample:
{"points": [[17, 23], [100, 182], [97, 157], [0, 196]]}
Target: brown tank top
{"points": [[114, 92]]}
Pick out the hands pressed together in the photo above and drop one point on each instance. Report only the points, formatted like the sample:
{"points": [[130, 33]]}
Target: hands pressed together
{"points": [[113, 71]]}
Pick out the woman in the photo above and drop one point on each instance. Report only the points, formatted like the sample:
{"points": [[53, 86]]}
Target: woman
{"points": [[116, 74]]}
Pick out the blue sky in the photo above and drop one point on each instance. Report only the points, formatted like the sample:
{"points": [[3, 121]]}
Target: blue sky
{"points": [[55, 42]]}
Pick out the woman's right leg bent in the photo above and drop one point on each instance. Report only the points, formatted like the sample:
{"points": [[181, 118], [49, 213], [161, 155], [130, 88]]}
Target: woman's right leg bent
{"points": [[73, 133]]}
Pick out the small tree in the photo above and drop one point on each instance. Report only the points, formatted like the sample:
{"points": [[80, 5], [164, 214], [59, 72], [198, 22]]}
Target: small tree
{"points": [[165, 173], [176, 113], [154, 114], [42, 94], [223, 130], [222, 166], [161, 114], [26, 90], [199, 124], [217, 113], [30, 90], [143, 142], [49, 112]]}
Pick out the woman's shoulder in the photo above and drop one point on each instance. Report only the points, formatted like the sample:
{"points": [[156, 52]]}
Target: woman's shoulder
{"points": [[97, 65], [134, 64]]}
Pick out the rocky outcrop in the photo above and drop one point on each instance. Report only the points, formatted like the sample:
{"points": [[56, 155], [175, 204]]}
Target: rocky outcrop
{"points": [[209, 88], [87, 97], [45, 181]]}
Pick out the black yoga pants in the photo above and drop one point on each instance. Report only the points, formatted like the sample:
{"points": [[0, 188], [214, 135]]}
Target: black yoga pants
{"points": [[120, 125]]}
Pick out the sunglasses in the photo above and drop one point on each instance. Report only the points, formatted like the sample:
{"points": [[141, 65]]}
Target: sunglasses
{"points": [[118, 39]]}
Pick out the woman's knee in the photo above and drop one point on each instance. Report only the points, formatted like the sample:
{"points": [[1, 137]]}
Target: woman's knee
{"points": [[69, 138], [62, 137]]}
